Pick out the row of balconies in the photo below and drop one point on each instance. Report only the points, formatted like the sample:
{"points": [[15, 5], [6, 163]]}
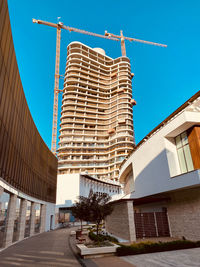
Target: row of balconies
{"points": [[94, 69], [89, 54], [86, 83], [86, 130], [85, 164], [101, 103], [94, 87], [81, 163], [93, 97], [77, 103], [110, 101], [81, 58], [86, 151], [97, 73], [98, 57], [93, 145], [90, 109], [101, 111], [97, 76], [85, 49], [97, 139], [103, 83], [95, 121], [113, 134], [94, 115]]}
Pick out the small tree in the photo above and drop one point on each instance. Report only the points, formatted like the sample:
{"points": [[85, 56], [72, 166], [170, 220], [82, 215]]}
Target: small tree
{"points": [[93, 208], [99, 208], [79, 210]]}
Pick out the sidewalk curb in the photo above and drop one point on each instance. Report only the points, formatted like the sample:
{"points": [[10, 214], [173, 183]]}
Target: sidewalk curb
{"points": [[75, 253]]}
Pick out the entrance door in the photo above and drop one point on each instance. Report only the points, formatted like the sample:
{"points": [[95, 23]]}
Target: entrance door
{"points": [[51, 222]]}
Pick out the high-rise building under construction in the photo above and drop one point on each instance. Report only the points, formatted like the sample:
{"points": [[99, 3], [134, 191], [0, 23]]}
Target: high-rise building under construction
{"points": [[96, 131]]}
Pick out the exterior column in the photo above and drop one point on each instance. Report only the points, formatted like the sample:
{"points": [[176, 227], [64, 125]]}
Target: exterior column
{"points": [[1, 193], [32, 219], [1, 190], [10, 218], [120, 222], [42, 218], [22, 219], [131, 222]]}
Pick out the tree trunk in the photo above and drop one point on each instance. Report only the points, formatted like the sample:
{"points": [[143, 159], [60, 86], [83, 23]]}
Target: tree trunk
{"points": [[97, 229], [81, 225]]}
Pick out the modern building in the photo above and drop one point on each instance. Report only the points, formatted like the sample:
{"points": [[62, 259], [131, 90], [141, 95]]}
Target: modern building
{"points": [[70, 186], [96, 131], [28, 169], [162, 181]]}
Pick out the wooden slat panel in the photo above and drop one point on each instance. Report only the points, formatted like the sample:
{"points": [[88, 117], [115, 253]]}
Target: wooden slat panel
{"points": [[25, 160], [194, 143]]}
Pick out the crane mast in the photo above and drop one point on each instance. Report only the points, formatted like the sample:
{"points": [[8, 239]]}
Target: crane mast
{"points": [[56, 92], [107, 35]]}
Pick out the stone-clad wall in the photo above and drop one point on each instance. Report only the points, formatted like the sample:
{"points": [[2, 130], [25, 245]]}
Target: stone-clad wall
{"points": [[184, 214], [121, 222]]}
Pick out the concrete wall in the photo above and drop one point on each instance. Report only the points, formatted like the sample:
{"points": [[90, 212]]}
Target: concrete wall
{"points": [[184, 214], [121, 222]]}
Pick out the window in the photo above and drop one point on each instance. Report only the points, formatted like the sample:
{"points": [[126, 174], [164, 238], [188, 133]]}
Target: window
{"points": [[184, 155]]}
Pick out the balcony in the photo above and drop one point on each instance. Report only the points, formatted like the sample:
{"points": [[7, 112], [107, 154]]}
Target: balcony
{"points": [[133, 102], [111, 131]]}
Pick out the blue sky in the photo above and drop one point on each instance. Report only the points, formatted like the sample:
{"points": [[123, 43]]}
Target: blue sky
{"points": [[164, 77]]}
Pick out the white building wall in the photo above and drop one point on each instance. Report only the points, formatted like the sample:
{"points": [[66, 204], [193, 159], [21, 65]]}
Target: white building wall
{"points": [[68, 189], [155, 162], [70, 186], [50, 216]]}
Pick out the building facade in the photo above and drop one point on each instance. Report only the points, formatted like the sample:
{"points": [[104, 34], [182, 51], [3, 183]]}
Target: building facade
{"points": [[71, 186], [96, 131], [28, 169], [162, 180]]}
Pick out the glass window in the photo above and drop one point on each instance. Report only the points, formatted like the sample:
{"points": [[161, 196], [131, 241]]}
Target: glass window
{"points": [[184, 155]]}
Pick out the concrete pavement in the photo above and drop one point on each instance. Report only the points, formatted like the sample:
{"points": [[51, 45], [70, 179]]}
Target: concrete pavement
{"points": [[52, 249], [176, 258], [47, 249]]}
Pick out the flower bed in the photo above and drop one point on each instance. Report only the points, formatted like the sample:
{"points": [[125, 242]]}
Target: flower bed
{"points": [[89, 252], [99, 246], [101, 237], [151, 247]]}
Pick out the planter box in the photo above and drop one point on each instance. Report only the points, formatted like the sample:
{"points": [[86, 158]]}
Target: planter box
{"points": [[86, 252]]}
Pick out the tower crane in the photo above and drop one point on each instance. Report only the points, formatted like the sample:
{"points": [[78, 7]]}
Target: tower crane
{"points": [[60, 26], [122, 38]]}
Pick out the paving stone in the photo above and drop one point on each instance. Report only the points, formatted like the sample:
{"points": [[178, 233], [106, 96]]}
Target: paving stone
{"points": [[176, 258]]}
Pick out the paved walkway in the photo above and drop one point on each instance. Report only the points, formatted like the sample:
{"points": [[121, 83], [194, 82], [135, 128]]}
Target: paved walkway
{"points": [[176, 258], [52, 249], [107, 262], [48, 249]]}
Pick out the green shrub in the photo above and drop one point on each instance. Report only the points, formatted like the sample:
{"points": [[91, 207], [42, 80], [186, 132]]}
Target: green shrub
{"points": [[150, 247], [101, 238]]}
